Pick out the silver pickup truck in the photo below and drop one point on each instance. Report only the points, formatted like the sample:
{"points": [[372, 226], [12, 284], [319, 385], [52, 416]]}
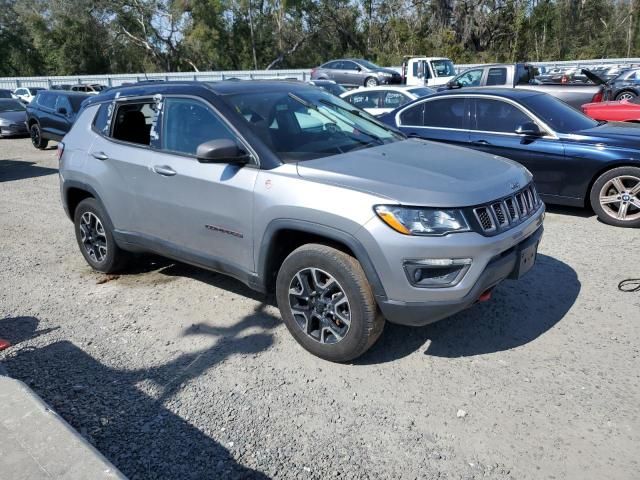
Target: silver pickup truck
{"points": [[522, 75]]}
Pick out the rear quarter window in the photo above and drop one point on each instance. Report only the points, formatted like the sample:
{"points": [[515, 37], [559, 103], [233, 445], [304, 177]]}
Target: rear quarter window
{"points": [[102, 120]]}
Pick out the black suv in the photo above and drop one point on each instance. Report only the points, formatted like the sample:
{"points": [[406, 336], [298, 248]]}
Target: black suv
{"points": [[51, 114]]}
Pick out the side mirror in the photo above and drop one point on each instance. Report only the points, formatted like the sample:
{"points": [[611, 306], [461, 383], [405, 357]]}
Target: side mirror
{"points": [[62, 111], [529, 129], [453, 84], [221, 150], [359, 68]]}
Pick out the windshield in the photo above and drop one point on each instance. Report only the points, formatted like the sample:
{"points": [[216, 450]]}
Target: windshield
{"points": [[309, 124], [11, 106], [33, 91], [97, 88], [557, 114], [443, 68], [368, 64], [421, 91]]}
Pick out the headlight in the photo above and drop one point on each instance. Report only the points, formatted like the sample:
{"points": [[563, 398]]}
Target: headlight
{"points": [[4, 123], [386, 74], [422, 221]]}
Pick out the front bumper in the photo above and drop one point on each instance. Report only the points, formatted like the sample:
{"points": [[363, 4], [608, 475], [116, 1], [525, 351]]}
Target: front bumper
{"points": [[13, 130], [501, 267]]}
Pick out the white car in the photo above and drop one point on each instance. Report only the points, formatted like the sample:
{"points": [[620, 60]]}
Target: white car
{"points": [[26, 94], [89, 88], [380, 100]]}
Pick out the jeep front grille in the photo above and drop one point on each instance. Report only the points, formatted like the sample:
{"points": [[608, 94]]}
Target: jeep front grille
{"points": [[507, 212]]}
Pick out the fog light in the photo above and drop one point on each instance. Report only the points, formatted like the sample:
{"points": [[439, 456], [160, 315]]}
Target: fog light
{"points": [[436, 272]]}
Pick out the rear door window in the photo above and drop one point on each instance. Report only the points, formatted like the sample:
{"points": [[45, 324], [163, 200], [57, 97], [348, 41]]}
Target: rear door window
{"points": [[497, 76], [373, 99], [132, 122], [445, 113], [394, 99], [497, 116], [413, 116]]}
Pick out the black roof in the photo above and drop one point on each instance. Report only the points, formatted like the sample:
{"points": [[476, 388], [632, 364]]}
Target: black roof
{"points": [[224, 87], [514, 93]]}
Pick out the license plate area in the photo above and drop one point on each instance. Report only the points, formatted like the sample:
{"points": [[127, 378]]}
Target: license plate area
{"points": [[525, 260]]}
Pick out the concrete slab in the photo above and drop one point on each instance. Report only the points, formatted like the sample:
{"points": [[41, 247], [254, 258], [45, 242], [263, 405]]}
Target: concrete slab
{"points": [[36, 443]]}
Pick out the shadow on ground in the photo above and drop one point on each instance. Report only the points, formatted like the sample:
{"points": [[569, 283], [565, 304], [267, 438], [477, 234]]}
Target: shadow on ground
{"points": [[136, 432], [519, 312], [11, 170], [572, 211]]}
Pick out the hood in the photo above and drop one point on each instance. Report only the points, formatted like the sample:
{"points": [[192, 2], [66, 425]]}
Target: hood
{"points": [[615, 134], [593, 77], [418, 172], [14, 117]]}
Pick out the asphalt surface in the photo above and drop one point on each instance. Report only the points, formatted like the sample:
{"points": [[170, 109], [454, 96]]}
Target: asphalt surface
{"points": [[174, 372]]}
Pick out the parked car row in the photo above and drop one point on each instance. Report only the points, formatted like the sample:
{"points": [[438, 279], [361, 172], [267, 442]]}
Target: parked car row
{"points": [[27, 94]]}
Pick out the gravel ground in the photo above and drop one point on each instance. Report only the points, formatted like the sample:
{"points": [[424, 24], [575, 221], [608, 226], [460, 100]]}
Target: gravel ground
{"points": [[174, 372]]}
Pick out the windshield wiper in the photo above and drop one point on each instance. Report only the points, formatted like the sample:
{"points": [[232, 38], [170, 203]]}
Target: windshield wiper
{"points": [[359, 114], [313, 106]]}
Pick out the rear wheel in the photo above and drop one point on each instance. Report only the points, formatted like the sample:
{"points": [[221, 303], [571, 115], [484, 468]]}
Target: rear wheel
{"points": [[36, 137], [95, 238], [626, 95], [615, 197], [327, 304]]}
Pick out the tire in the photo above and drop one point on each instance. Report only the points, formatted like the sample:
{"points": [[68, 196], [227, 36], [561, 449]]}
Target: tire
{"points": [[371, 82], [626, 94], [90, 235], [615, 197], [333, 339], [36, 137]]}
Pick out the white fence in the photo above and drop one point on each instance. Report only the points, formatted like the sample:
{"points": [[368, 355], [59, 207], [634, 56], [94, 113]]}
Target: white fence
{"points": [[115, 80]]}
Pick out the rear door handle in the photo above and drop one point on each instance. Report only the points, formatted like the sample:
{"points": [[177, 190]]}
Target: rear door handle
{"points": [[100, 155], [480, 142], [165, 170]]}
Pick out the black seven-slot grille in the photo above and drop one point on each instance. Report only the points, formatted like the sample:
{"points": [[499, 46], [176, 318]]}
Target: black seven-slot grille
{"points": [[506, 213]]}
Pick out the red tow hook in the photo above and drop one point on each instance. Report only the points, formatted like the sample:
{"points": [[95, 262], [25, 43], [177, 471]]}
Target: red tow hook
{"points": [[485, 296]]}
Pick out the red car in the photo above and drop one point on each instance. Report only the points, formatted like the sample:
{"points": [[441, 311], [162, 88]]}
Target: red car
{"points": [[622, 111]]}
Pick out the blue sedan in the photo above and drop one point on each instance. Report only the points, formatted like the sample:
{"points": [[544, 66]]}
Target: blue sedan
{"points": [[574, 160]]}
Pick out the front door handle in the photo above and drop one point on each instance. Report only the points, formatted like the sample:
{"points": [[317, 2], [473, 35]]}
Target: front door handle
{"points": [[100, 155], [480, 142], [164, 170]]}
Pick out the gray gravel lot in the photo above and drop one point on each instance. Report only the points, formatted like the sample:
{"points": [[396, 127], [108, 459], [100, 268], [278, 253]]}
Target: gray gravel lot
{"points": [[174, 372]]}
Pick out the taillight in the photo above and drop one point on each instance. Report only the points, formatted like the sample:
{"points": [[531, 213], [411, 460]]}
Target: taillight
{"points": [[60, 150], [597, 97]]}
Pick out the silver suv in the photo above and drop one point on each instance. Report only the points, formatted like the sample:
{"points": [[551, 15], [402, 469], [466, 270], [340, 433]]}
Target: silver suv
{"points": [[290, 189]]}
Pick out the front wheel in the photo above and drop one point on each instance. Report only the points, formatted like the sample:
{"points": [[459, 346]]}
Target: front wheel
{"points": [[36, 137], [327, 304], [615, 197], [371, 82]]}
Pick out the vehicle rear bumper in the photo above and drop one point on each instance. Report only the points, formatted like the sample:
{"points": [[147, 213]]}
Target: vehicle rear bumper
{"points": [[501, 267]]}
